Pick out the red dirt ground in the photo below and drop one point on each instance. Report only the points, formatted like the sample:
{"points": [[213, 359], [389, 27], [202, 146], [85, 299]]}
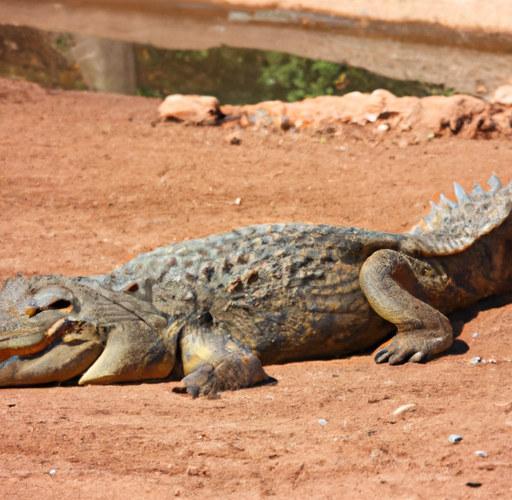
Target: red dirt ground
{"points": [[88, 181]]}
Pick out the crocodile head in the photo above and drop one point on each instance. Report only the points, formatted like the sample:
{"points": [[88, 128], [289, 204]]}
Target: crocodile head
{"points": [[53, 328]]}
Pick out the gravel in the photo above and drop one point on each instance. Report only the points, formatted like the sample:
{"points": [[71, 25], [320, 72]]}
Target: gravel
{"points": [[455, 438]]}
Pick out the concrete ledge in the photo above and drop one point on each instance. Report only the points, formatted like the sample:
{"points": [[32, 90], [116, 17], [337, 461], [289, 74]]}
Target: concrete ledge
{"points": [[465, 45], [492, 16]]}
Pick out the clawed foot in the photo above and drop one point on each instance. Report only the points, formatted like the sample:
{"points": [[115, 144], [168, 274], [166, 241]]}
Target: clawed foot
{"points": [[396, 356], [234, 372], [414, 347]]}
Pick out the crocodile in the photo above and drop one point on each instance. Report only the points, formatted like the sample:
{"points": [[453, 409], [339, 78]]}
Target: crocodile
{"points": [[214, 311]]}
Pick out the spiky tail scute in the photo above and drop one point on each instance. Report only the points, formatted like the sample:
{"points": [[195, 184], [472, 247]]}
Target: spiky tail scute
{"points": [[452, 227]]}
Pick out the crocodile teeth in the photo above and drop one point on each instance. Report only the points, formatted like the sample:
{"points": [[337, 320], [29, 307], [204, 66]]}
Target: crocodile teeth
{"points": [[494, 183], [462, 197], [446, 202]]}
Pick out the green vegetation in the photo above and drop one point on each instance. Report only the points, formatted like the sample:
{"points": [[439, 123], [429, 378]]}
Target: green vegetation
{"points": [[239, 76]]}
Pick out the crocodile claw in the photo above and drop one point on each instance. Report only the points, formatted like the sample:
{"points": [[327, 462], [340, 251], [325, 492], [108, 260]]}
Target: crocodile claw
{"points": [[382, 355], [419, 357], [396, 358]]}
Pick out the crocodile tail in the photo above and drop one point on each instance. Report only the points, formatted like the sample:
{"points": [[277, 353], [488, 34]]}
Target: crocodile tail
{"points": [[452, 227]]}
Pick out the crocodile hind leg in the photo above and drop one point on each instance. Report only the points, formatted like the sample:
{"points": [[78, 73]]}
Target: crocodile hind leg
{"points": [[397, 287], [213, 362]]}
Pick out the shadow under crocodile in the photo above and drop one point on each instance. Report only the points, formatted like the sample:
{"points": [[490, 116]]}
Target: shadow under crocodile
{"points": [[459, 318]]}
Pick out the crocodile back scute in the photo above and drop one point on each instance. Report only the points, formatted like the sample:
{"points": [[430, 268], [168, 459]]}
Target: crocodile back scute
{"points": [[452, 227]]}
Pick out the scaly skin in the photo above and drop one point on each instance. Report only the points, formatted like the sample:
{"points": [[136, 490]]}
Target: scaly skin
{"points": [[218, 308], [287, 292]]}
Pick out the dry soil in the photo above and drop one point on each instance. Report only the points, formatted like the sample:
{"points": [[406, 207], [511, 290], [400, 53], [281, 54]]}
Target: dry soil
{"points": [[87, 181]]}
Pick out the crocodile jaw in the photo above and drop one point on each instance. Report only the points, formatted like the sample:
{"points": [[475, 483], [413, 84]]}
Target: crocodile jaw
{"points": [[56, 364], [32, 338], [69, 347]]}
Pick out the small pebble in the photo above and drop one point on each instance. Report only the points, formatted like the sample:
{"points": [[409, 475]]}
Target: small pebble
{"points": [[476, 360], [481, 454], [322, 422], [238, 201], [455, 438], [53, 472], [383, 127], [403, 408], [234, 138], [491, 361], [475, 335], [269, 397]]}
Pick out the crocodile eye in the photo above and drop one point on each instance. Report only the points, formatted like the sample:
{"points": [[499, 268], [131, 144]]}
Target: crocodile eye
{"points": [[61, 304], [54, 299]]}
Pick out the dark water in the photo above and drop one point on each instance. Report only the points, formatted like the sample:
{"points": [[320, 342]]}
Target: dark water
{"points": [[235, 76]]}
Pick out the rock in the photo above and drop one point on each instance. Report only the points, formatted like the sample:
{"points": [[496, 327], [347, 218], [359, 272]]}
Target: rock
{"points": [[503, 94], [404, 408], [455, 438], [476, 360], [322, 422], [429, 117], [481, 454], [195, 109]]}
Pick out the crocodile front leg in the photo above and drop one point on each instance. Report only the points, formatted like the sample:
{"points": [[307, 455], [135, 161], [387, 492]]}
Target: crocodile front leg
{"points": [[213, 362], [398, 288]]}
